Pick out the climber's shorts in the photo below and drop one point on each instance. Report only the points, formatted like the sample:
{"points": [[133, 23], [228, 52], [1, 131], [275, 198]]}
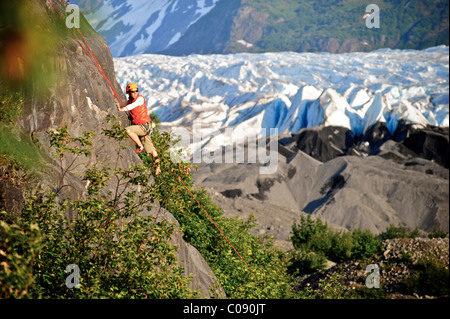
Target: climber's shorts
{"points": [[142, 131]]}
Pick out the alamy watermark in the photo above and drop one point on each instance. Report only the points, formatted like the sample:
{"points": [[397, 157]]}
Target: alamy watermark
{"points": [[373, 280], [372, 16], [231, 147], [73, 18], [73, 280]]}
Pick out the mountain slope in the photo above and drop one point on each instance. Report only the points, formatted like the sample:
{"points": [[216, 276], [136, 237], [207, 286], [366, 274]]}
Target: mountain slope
{"points": [[369, 192], [325, 26], [231, 26], [140, 26]]}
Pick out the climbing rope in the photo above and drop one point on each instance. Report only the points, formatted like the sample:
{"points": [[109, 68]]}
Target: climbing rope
{"points": [[93, 59]]}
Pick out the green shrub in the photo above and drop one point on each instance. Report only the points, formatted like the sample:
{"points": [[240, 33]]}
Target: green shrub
{"points": [[399, 231], [303, 262], [306, 229], [122, 254], [342, 248], [329, 288], [437, 233], [431, 278], [365, 244], [316, 236], [19, 249], [11, 105]]}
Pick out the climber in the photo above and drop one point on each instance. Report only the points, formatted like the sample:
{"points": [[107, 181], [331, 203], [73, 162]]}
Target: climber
{"points": [[142, 126]]}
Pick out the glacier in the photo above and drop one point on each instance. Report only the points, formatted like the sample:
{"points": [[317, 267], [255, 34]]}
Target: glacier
{"points": [[290, 91]]}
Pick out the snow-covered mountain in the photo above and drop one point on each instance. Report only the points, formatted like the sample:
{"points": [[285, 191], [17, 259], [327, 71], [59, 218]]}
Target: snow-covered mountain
{"points": [[182, 27], [290, 91], [136, 26]]}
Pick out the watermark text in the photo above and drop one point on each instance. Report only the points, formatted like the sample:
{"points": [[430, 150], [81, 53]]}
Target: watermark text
{"points": [[230, 146]]}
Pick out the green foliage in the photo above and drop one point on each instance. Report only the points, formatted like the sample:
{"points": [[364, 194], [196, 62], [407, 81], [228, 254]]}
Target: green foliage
{"points": [[431, 278], [262, 271], [437, 233], [121, 252], [306, 230], [329, 288], [19, 249], [304, 262], [406, 256], [315, 242], [11, 105], [13, 169], [63, 142], [18, 149], [365, 244], [399, 231]]}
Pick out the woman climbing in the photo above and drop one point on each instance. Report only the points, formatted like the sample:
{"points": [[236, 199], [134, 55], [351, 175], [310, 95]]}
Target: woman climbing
{"points": [[142, 125]]}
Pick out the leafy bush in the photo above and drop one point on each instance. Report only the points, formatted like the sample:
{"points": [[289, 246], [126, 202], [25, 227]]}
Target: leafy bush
{"points": [[431, 278], [306, 262], [316, 236], [399, 231], [329, 288], [365, 244], [343, 247], [437, 233], [261, 261], [11, 105], [120, 252], [306, 230], [19, 249]]}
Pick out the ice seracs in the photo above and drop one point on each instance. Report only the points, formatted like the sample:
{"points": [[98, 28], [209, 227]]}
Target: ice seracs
{"points": [[290, 91]]}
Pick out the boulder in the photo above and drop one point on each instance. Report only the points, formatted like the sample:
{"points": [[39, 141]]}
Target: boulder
{"points": [[322, 143]]}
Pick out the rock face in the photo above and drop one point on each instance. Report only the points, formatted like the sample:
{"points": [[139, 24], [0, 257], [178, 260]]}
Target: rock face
{"points": [[430, 143], [326, 143], [81, 99], [322, 143]]}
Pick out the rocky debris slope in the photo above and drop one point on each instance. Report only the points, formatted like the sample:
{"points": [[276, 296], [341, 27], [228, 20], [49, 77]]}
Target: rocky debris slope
{"points": [[392, 186], [271, 220], [397, 262]]}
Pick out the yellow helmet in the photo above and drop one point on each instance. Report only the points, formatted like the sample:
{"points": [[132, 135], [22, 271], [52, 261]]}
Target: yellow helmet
{"points": [[131, 86]]}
